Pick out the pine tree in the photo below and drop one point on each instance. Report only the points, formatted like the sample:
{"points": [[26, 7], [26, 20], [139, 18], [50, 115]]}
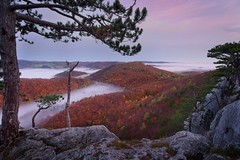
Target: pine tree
{"points": [[46, 102], [110, 23], [228, 56]]}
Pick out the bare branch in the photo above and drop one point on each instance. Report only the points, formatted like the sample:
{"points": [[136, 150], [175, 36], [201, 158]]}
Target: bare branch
{"points": [[72, 68]]}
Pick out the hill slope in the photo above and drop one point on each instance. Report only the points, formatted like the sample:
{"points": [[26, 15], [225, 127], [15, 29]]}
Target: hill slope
{"points": [[151, 111], [132, 74], [33, 89], [73, 74], [153, 107]]}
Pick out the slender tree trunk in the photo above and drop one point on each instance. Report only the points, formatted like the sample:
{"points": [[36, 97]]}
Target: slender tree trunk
{"points": [[33, 118], [68, 120], [10, 123]]}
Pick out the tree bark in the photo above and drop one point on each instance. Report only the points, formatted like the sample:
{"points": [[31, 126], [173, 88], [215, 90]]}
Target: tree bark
{"points": [[68, 119], [10, 123], [33, 118]]}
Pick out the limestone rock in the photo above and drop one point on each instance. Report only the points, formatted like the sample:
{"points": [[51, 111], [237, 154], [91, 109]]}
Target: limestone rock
{"points": [[225, 128], [188, 144], [46, 144], [199, 121], [97, 143]]}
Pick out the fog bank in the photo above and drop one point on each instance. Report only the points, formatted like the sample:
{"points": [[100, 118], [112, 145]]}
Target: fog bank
{"points": [[27, 110], [50, 73], [183, 67]]}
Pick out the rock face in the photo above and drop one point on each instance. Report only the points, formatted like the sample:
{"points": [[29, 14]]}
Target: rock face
{"points": [[225, 128], [188, 145], [199, 121], [96, 142], [46, 144]]}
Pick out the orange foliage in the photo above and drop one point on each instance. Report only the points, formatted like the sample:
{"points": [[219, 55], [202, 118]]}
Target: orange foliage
{"points": [[132, 74], [136, 113], [32, 89]]}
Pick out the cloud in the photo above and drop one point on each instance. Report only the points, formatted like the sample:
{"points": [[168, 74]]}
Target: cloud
{"points": [[173, 27], [235, 29]]}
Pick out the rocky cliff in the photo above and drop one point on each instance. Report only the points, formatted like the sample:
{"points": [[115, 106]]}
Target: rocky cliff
{"points": [[96, 142], [213, 134], [218, 119]]}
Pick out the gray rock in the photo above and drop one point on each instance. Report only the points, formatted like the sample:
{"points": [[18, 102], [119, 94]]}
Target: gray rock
{"points": [[115, 149], [199, 121], [194, 123], [97, 143], [225, 128], [47, 144], [188, 144], [66, 138], [214, 157]]}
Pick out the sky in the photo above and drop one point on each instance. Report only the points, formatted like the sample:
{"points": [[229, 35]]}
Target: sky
{"points": [[174, 31]]}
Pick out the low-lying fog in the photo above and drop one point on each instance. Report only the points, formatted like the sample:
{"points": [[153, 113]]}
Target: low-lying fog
{"points": [[171, 66], [179, 67], [49, 73], [27, 110]]}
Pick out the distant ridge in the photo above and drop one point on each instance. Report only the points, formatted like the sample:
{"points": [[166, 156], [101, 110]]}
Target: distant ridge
{"points": [[62, 64], [132, 74], [73, 74]]}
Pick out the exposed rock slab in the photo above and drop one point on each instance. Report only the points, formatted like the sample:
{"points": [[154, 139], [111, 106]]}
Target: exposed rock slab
{"points": [[46, 144], [225, 128], [188, 145], [199, 121], [97, 143]]}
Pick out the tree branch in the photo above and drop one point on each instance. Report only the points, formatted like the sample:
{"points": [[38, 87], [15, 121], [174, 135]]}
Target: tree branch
{"points": [[50, 6], [72, 68], [33, 6], [46, 23]]}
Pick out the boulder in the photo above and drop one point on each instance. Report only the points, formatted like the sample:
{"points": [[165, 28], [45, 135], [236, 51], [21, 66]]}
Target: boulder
{"points": [[46, 144], [97, 143], [188, 145], [112, 149], [225, 128]]}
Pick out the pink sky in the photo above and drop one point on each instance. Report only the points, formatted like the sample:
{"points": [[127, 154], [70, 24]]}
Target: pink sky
{"points": [[175, 30]]}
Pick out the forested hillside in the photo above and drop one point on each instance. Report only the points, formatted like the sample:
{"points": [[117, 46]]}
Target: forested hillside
{"points": [[32, 89], [154, 104], [132, 74]]}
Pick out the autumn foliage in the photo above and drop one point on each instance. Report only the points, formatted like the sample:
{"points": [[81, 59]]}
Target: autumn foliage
{"points": [[132, 74], [33, 89], [154, 103]]}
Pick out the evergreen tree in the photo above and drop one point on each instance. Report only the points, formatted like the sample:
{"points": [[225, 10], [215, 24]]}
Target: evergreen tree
{"points": [[46, 102], [109, 22], [228, 56]]}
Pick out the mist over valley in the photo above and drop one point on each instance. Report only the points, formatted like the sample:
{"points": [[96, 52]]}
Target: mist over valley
{"points": [[103, 88]]}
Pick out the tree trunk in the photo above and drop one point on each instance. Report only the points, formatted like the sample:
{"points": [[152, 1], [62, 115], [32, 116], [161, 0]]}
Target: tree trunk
{"points": [[10, 123], [68, 120], [33, 118]]}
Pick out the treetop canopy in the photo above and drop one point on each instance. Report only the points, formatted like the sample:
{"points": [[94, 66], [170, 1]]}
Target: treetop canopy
{"points": [[111, 23], [228, 56]]}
